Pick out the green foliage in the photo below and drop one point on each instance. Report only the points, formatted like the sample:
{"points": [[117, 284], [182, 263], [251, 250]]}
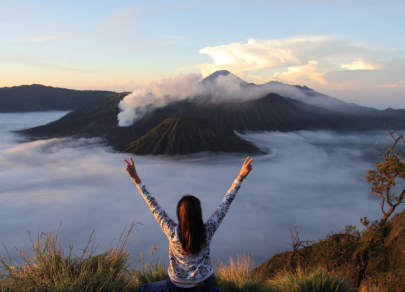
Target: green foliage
{"points": [[318, 280], [336, 250], [372, 237], [383, 178]]}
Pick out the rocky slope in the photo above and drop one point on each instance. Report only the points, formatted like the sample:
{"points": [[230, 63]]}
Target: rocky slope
{"points": [[178, 136], [386, 268]]}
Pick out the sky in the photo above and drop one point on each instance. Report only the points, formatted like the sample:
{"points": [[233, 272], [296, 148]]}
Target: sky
{"points": [[352, 50], [312, 180]]}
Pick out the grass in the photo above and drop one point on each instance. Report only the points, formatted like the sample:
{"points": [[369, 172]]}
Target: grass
{"points": [[318, 280], [55, 268], [52, 267], [238, 275], [154, 271], [367, 286]]}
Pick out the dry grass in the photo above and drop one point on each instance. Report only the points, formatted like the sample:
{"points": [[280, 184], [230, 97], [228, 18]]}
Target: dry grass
{"points": [[55, 268], [318, 280], [367, 286], [238, 275]]}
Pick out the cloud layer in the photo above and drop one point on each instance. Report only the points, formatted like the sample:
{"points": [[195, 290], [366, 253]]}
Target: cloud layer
{"points": [[313, 180]]}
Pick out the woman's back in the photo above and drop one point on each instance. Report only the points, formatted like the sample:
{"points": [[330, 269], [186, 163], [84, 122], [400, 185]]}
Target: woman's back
{"points": [[189, 241], [187, 267]]}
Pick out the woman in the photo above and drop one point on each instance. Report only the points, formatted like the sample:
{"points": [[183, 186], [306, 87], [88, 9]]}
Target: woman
{"points": [[190, 266]]}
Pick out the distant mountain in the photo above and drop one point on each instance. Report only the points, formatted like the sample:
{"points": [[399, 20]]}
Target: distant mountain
{"points": [[312, 97], [305, 94], [150, 134], [214, 76], [178, 136], [28, 98]]}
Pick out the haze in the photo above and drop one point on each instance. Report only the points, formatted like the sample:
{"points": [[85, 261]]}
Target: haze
{"points": [[313, 180]]}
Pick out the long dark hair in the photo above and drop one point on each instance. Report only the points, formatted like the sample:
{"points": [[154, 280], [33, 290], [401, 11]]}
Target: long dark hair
{"points": [[189, 214]]}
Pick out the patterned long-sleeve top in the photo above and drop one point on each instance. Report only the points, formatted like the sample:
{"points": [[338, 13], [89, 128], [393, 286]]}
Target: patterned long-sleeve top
{"points": [[189, 268]]}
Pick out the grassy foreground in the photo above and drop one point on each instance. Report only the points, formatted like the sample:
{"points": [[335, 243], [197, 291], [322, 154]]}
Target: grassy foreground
{"points": [[52, 267]]}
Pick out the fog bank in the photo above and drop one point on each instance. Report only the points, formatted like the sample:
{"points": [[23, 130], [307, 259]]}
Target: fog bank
{"points": [[313, 180]]}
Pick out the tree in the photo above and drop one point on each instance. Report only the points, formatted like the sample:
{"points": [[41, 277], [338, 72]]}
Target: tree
{"points": [[383, 179], [297, 244], [371, 240]]}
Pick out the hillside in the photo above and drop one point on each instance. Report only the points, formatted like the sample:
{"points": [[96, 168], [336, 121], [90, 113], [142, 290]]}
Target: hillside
{"points": [[28, 98], [386, 268], [177, 136]]}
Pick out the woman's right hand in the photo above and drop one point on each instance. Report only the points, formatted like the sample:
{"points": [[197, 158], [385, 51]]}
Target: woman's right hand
{"points": [[246, 168], [130, 168]]}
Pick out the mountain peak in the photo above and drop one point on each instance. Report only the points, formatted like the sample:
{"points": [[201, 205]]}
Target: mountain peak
{"points": [[211, 78]]}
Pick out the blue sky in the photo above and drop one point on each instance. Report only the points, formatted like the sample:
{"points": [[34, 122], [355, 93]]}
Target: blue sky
{"points": [[352, 50]]}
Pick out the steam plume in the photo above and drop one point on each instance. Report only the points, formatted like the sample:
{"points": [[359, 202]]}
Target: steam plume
{"points": [[228, 87]]}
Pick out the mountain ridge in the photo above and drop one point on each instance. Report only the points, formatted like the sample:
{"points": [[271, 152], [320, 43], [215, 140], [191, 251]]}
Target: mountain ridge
{"points": [[270, 112], [36, 97]]}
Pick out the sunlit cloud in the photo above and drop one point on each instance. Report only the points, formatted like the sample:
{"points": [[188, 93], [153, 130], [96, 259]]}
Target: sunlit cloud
{"points": [[298, 74], [388, 85], [359, 65], [240, 58], [349, 70], [43, 65]]}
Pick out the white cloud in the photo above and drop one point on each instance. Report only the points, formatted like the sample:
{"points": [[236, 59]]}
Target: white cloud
{"points": [[240, 58], [361, 64], [302, 74], [345, 69], [157, 93], [388, 85]]}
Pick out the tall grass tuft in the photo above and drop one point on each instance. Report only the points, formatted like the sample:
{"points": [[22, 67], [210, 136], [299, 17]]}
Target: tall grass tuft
{"points": [[318, 280], [238, 275], [55, 268], [368, 286], [155, 271]]}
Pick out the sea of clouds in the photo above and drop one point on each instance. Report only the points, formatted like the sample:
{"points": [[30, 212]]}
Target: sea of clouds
{"points": [[313, 180]]}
